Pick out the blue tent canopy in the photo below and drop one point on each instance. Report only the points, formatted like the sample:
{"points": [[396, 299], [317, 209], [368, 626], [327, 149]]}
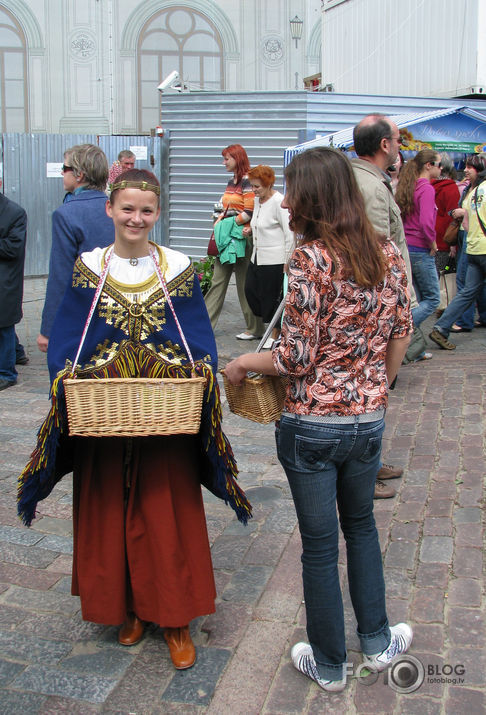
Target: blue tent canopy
{"points": [[457, 131]]}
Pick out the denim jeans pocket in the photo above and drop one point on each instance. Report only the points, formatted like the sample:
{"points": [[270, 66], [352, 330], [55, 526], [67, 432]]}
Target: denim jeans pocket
{"points": [[312, 454], [372, 449]]}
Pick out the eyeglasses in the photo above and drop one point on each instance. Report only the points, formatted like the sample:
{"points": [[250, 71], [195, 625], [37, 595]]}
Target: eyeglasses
{"points": [[436, 163], [65, 168]]}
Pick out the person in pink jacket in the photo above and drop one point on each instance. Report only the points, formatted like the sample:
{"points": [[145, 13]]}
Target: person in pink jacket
{"points": [[416, 198]]}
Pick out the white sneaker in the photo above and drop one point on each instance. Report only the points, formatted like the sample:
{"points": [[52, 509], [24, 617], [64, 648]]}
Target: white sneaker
{"points": [[246, 336], [267, 345], [401, 637], [303, 659]]}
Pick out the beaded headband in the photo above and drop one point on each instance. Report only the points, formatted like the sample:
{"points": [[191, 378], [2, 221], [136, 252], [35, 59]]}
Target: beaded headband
{"points": [[143, 185]]}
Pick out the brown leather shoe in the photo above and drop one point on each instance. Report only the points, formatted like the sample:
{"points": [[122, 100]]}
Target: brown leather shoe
{"points": [[383, 491], [389, 472], [181, 647], [131, 631]]}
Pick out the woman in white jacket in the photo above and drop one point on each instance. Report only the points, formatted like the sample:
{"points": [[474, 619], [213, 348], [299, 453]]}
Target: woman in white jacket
{"points": [[272, 245]]}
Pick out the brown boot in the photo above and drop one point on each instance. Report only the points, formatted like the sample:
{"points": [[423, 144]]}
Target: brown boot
{"points": [[383, 491], [131, 631], [181, 647]]}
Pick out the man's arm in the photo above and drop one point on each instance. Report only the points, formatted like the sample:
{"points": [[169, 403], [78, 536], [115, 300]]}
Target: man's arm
{"points": [[13, 242]]}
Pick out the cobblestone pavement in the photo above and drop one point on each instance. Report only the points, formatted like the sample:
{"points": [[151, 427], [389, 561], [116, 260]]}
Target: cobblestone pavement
{"points": [[53, 662]]}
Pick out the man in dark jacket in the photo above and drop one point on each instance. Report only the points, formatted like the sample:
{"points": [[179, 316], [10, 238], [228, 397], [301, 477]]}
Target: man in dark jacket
{"points": [[13, 226]]}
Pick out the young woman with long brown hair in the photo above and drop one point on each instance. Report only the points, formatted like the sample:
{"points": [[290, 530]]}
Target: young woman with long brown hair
{"points": [[345, 331], [415, 196]]}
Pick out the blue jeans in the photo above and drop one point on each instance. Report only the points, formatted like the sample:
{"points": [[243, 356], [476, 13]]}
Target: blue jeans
{"points": [[474, 284], [327, 462], [467, 318], [426, 285], [7, 354]]}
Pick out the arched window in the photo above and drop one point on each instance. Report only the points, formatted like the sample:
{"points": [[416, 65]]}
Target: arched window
{"points": [[179, 39], [13, 75]]}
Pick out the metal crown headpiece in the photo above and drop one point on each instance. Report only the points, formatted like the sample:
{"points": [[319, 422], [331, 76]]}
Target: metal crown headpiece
{"points": [[143, 185]]}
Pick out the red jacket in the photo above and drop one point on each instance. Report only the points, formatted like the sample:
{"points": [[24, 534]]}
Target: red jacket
{"points": [[446, 198]]}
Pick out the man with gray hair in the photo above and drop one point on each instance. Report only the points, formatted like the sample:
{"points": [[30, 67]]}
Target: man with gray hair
{"points": [[376, 142]]}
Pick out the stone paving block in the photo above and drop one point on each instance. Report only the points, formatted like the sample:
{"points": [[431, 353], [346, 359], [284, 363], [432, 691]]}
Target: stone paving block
{"points": [[468, 562], [247, 584], [54, 508], [102, 659], [466, 627], [468, 535], [51, 525], [14, 702], [416, 704], [282, 519], [197, 684], [63, 585], [26, 555], [467, 515], [436, 549], [289, 690], [62, 564], [56, 626], [401, 554], [55, 542], [434, 575], [439, 507], [474, 663], [30, 649], [8, 671], [19, 535], [255, 663], [227, 552], [11, 616], [398, 584], [51, 681], [465, 700], [236, 528], [42, 601], [437, 526], [428, 638], [410, 511], [428, 605], [39, 579], [226, 627], [58, 706], [405, 530], [465, 591], [266, 549], [375, 698]]}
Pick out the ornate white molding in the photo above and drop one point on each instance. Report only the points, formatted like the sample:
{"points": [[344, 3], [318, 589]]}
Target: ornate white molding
{"points": [[29, 23], [315, 41], [146, 10]]}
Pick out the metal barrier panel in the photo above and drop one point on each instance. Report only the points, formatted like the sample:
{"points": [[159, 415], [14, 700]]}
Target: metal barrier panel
{"points": [[29, 180]]}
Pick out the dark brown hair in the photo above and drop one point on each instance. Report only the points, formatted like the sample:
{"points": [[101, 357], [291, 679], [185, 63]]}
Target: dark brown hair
{"points": [[326, 205], [137, 175], [409, 175]]}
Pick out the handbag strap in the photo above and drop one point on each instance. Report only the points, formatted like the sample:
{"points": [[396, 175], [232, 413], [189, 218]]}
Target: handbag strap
{"points": [[483, 227], [96, 297]]}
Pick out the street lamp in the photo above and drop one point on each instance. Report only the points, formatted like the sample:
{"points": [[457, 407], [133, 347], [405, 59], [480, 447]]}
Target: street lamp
{"points": [[296, 29]]}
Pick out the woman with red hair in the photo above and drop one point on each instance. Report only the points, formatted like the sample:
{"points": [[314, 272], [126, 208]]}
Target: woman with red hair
{"points": [[237, 202]]}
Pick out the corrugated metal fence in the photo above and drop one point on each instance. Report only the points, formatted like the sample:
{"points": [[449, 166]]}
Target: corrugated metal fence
{"points": [[25, 180]]}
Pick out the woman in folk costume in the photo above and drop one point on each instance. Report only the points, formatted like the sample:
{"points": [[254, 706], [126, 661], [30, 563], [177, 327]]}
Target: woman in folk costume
{"points": [[141, 551]]}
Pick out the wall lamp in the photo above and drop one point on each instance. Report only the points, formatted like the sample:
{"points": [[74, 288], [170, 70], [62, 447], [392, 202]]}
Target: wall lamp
{"points": [[296, 29]]}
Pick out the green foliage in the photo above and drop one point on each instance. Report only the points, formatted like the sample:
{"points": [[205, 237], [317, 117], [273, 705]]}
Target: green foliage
{"points": [[204, 271]]}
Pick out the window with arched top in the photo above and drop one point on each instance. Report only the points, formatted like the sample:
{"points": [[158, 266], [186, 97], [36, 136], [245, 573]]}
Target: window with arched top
{"points": [[13, 75], [181, 39]]}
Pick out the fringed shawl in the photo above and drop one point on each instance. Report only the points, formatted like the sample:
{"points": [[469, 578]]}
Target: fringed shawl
{"points": [[118, 344]]}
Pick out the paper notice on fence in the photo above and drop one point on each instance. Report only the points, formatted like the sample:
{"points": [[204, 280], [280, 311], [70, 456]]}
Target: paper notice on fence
{"points": [[54, 171]]}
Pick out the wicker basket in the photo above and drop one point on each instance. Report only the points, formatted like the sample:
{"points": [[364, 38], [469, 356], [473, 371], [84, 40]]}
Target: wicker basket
{"points": [[134, 407], [259, 398]]}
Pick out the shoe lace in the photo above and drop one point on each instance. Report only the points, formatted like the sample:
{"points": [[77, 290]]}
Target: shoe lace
{"points": [[397, 644]]}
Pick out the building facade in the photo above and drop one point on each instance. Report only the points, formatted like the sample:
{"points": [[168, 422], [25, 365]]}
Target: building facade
{"points": [[94, 66]]}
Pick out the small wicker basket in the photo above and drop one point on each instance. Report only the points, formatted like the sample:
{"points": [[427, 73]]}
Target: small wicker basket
{"points": [[134, 407], [259, 398]]}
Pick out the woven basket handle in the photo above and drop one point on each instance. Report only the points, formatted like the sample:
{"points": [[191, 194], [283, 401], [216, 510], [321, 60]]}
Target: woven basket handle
{"points": [[167, 297], [272, 324], [96, 297]]}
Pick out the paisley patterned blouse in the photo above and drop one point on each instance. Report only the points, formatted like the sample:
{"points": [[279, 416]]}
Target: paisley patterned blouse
{"points": [[335, 334]]}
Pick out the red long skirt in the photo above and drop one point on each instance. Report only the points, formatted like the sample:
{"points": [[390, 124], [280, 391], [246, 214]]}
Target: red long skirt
{"points": [[140, 537]]}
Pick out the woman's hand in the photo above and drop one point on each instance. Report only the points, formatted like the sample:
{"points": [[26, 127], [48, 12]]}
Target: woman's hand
{"points": [[433, 249], [247, 231], [235, 371], [458, 213]]}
